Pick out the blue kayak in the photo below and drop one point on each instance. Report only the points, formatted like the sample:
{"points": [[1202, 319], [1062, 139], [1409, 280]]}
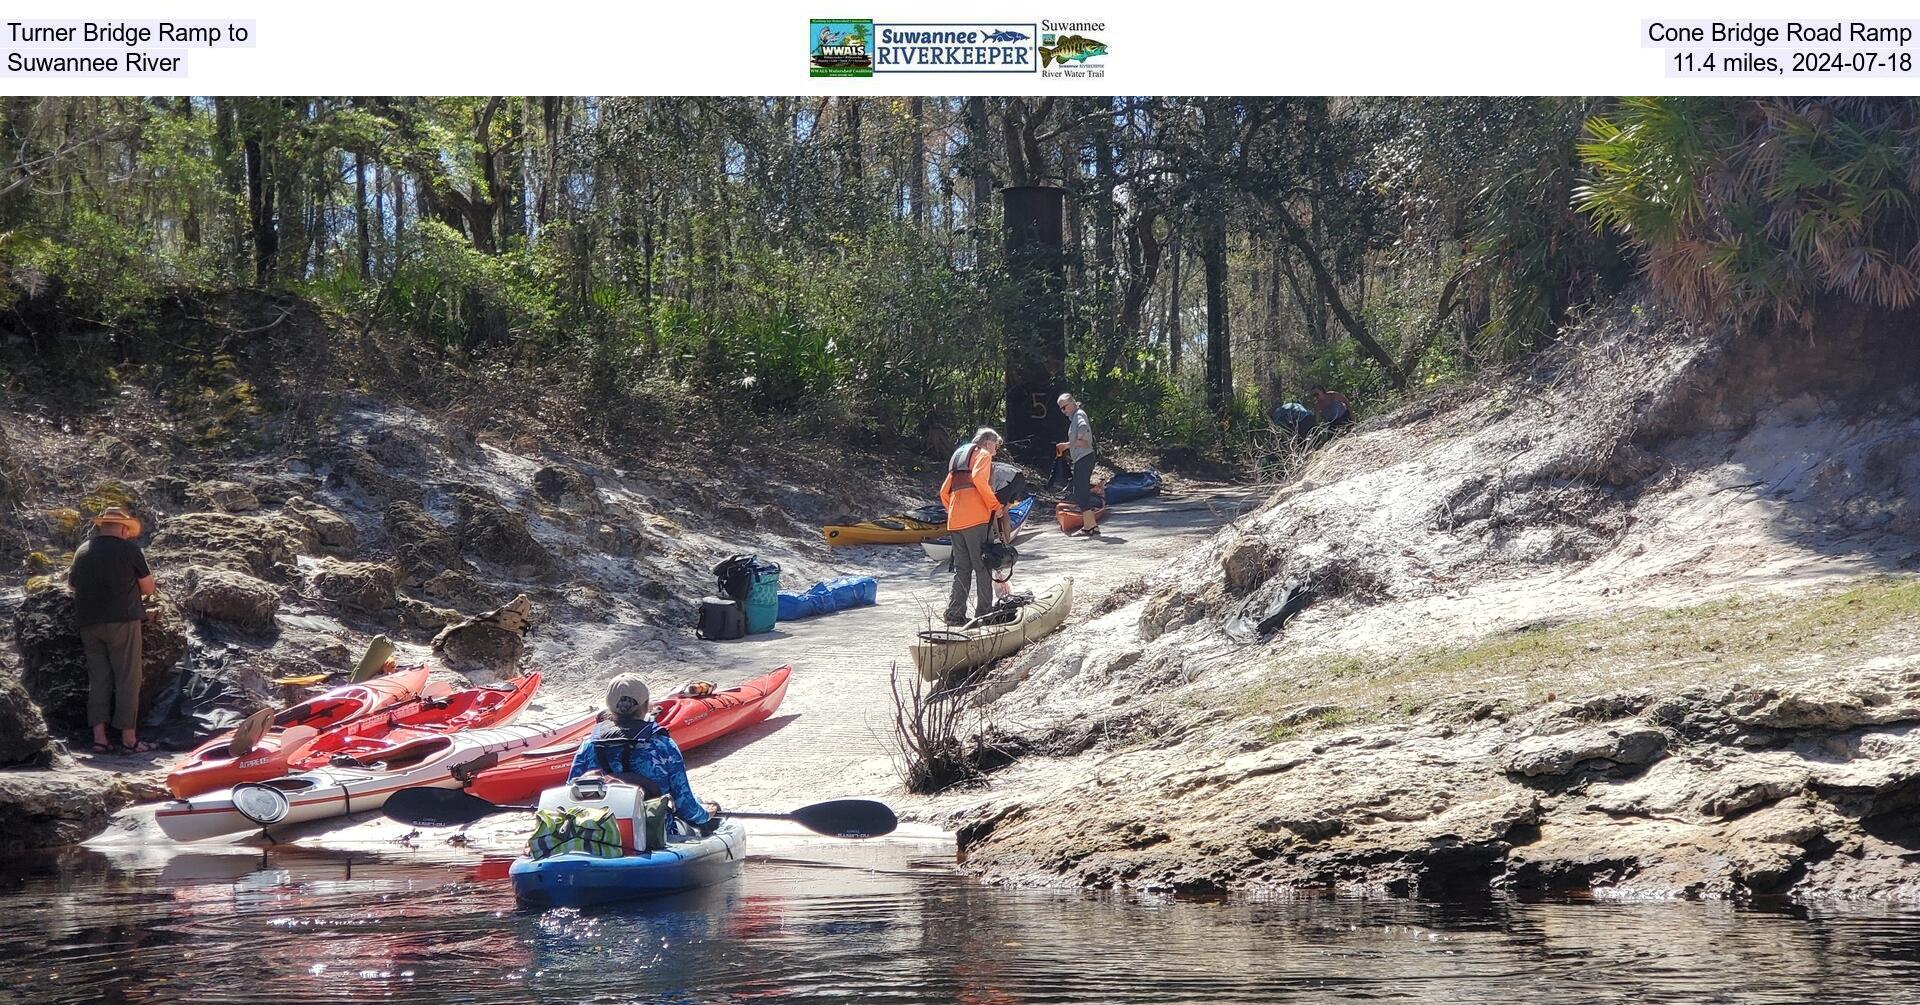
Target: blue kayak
{"points": [[1131, 486], [577, 879], [941, 548]]}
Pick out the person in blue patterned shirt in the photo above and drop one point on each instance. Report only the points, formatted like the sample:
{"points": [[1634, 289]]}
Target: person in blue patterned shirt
{"points": [[631, 747]]}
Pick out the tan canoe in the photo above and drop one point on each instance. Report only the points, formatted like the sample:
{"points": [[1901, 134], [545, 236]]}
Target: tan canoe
{"points": [[987, 643]]}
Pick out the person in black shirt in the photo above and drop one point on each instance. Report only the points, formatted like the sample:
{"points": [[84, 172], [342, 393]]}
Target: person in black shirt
{"points": [[108, 578]]}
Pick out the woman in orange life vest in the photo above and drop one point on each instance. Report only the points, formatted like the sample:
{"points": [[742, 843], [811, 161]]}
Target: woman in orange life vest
{"points": [[972, 510]]}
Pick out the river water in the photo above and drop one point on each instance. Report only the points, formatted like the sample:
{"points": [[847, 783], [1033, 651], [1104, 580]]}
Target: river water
{"points": [[289, 924]]}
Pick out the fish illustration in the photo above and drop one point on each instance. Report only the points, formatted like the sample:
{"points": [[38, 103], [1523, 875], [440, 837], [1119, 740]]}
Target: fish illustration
{"points": [[1075, 47], [1003, 35]]}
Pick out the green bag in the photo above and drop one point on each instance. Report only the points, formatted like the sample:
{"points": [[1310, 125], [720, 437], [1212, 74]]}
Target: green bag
{"points": [[657, 812], [588, 829]]}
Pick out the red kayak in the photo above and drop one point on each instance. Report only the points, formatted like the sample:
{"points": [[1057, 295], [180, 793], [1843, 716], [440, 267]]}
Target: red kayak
{"points": [[365, 739], [690, 718], [213, 765]]}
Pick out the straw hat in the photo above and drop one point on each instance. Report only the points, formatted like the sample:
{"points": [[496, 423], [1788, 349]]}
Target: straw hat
{"points": [[116, 515]]}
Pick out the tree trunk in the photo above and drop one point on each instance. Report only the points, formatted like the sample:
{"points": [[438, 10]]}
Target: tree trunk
{"points": [[980, 164], [285, 172], [1331, 290], [260, 189], [230, 163], [854, 167], [1213, 254], [1176, 339], [1103, 222], [1143, 268], [550, 126], [360, 215], [917, 163], [399, 181], [380, 217], [646, 281]]}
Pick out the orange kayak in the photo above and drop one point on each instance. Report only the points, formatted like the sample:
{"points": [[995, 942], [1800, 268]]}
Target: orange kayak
{"points": [[1070, 519], [366, 739], [213, 764], [691, 719]]}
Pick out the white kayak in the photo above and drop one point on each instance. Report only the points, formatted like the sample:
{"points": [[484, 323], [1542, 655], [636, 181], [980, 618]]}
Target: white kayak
{"points": [[339, 789]]}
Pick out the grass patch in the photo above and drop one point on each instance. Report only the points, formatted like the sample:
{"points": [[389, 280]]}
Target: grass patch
{"points": [[106, 495], [1775, 636], [66, 520]]}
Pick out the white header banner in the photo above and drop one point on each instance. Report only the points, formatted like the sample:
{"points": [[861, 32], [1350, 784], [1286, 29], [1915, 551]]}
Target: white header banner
{"points": [[929, 47]]}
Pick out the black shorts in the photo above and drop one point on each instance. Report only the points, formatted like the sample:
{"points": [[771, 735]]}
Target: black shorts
{"points": [[1015, 490], [1083, 482]]}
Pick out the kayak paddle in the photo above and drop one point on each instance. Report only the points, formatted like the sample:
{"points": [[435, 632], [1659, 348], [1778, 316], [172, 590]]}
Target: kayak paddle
{"points": [[423, 806]]}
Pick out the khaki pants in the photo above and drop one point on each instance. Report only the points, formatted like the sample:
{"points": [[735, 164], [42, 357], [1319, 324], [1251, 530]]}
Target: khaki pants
{"points": [[970, 571], [113, 673]]}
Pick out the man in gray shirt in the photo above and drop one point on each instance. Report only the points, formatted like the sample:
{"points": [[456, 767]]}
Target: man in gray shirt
{"points": [[1079, 448]]}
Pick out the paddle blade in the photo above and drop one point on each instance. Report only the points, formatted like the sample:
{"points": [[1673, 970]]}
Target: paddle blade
{"points": [[430, 807], [379, 653], [246, 736], [847, 818]]}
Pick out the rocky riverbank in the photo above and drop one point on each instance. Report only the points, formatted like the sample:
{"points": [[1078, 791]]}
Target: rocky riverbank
{"points": [[1637, 619], [293, 513]]}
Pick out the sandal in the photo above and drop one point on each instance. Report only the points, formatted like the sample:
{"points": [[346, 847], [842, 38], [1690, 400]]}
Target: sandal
{"points": [[102, 748], [139, 747]]}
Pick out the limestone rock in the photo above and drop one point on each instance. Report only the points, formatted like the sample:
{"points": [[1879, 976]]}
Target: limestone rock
{"points": [[461, 590], [224, 497], [618, 538], [1561, 753], [403, 447], [423, 548], [329, 529], [166, 488], [497, 534], [358, 471], [493, 641], [363, 586], [23, 730], [422, 615], [1825, 704], [50, 809], [54, 668], [1247, 563], [567, 488], [234, 598], [256, 546]]}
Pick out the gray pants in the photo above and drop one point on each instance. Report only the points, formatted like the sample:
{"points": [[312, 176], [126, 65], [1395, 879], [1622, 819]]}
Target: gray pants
{"points": [[113, 672], [967, 562], [1083, 482]]}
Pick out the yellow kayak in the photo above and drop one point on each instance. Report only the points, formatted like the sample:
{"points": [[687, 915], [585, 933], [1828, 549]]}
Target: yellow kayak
{"points": [[923, 524]]}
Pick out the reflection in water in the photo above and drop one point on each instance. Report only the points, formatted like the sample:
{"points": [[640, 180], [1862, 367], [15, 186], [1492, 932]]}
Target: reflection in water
{"points": [[294, 925]]}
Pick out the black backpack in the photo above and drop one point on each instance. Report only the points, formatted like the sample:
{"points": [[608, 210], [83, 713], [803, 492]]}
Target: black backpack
{"points": [[735, 576], [721, 619]]}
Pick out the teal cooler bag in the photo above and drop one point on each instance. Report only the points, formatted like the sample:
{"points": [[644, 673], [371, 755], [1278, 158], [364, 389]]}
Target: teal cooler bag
{"points": [[763, 597]]}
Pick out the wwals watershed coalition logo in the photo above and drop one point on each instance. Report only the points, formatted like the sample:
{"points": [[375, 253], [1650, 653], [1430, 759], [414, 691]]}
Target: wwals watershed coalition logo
{"points": [[840, 47]]}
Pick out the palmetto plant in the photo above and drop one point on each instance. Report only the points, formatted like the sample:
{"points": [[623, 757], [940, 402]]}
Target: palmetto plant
{"points": [[1763, 208]]}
